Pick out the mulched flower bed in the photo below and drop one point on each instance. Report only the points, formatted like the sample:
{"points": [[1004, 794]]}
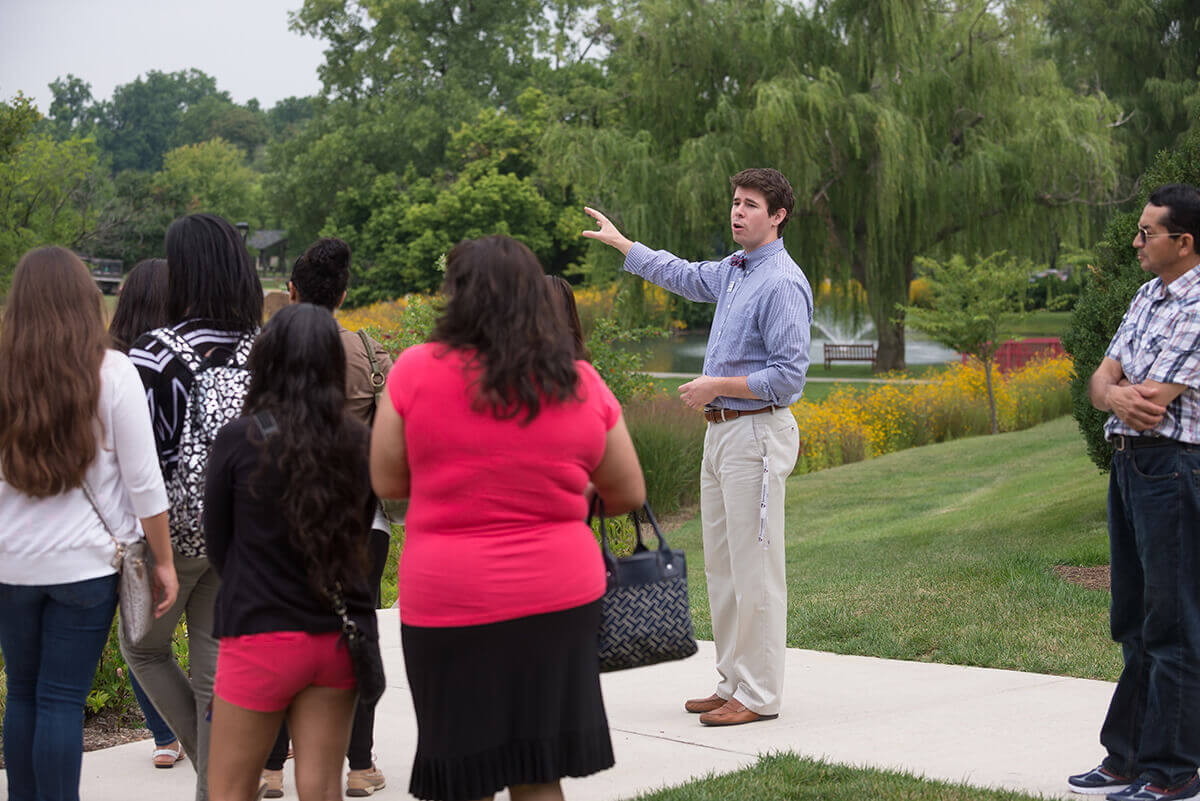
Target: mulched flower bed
{"points": [[105, 731]]}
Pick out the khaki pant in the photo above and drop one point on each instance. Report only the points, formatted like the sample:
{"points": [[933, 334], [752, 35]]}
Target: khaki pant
{"points": [[183, 702], [744, 552]]}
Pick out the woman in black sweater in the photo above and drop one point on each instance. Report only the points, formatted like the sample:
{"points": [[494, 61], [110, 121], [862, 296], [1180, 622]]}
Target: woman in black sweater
{"points": [[287, 511]]}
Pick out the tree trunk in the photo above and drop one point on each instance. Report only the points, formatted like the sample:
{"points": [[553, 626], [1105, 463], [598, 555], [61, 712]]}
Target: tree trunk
{"points": [[882, 300], [891, 345], [987, 373]]}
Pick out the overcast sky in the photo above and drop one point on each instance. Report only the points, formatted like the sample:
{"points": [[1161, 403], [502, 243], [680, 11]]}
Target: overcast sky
{"points": [[245, 44]]}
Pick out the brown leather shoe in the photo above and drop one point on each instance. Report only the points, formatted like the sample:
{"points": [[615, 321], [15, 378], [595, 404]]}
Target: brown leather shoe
{"points": [[732, 714], [698, 705]]}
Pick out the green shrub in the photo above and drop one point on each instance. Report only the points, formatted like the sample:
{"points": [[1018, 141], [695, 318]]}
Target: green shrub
{"points": [[111, 692], [415, 325], [1106, 295], [669, 438], [620, 369]]}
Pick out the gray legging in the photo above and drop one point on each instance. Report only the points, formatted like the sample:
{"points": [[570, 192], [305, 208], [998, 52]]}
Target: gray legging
{"points": [[183, 702]]}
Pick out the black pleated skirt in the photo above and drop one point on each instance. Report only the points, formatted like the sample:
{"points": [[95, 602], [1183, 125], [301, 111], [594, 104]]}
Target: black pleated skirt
{"points": [[514, 702]]}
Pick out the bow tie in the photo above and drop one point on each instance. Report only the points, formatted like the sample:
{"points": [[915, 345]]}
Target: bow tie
{"points": [[738, 260]]}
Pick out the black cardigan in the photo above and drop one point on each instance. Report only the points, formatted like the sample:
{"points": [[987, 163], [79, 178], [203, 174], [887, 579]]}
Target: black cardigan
{"points": [[264, 583]]}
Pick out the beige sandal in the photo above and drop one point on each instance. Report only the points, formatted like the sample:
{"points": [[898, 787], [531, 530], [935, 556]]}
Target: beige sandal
{"points": [[166, 757]]}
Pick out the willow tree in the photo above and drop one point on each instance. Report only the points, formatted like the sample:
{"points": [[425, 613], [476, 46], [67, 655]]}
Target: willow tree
{"points": [[907, 127]]}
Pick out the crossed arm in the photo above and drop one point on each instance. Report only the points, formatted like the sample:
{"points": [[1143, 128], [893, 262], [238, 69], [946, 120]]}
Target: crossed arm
{"points": [[1139, 406]]}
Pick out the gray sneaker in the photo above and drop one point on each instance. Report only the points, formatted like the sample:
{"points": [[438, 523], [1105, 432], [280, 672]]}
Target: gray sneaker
{"points": [[1098, 781]]}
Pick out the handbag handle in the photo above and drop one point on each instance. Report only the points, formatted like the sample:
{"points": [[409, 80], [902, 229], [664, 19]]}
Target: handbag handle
{"points": [[597, 510]]}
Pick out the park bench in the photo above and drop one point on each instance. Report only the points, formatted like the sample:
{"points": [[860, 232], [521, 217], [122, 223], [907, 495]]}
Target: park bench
{"points": [[849, 353]]}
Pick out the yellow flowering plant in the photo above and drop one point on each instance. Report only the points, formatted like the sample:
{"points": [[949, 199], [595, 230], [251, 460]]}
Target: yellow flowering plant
{"points": [[852, 424]]}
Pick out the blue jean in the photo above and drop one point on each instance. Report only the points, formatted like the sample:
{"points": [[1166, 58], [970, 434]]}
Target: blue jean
{"points": [[154, 722], [52, 637], [1151, 731]]}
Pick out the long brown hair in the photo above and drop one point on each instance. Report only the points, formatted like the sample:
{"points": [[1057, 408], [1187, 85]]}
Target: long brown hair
{"points": [[499, 305], [52, 341]]}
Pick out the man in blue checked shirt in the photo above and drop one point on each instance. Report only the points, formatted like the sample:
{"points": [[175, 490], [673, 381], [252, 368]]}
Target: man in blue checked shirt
{"points": [[1150, 381], [754, 369]]}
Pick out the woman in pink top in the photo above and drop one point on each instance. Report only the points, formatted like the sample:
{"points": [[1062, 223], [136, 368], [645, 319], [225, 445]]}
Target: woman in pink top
{"points": [[497, 435]]}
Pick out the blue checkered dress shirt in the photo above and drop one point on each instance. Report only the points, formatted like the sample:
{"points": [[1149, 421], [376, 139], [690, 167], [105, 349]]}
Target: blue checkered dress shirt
{"points": [[1159, 340], [761, 327]]}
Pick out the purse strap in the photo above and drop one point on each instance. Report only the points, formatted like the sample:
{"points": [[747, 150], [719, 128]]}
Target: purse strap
{"points": [[378, 379], [349, 627], [119, 559], [597, 510]]}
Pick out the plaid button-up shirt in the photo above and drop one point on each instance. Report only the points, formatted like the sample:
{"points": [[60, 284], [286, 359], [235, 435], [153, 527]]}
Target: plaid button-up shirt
{"points": [[1159, 340]]}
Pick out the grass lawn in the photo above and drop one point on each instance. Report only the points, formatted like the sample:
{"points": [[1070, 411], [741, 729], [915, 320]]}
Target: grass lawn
{"points": [[787, 776], [1042, 323], [946, 554]]}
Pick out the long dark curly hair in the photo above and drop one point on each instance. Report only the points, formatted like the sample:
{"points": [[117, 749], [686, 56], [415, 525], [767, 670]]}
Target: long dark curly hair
{"points": [[298, 375], [499, 306]]}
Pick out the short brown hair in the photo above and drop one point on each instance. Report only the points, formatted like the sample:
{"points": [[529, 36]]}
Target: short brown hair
{"points": [[774, 187]]}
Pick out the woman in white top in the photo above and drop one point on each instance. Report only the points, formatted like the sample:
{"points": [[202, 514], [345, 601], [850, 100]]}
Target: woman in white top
{"points": [[72, 412]]}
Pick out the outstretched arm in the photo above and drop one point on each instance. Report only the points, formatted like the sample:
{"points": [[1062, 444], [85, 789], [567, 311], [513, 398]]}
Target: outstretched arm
{"points": [[608, 233], [698, 281]]}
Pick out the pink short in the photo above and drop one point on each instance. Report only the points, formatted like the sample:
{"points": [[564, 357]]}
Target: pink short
{"points": [[264, 672]]}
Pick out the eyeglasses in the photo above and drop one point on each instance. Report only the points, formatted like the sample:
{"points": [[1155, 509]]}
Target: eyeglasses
{"points": [[1144, 235]]}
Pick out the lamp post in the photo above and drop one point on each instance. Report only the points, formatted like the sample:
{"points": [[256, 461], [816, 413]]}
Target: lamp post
{"points": [[244, 228]]}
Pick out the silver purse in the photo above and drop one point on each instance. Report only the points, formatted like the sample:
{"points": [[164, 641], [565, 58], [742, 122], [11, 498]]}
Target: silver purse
{"points": [[135, 593]]}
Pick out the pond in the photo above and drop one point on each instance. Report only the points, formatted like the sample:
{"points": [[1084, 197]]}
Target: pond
{"points": [[684, 353]]}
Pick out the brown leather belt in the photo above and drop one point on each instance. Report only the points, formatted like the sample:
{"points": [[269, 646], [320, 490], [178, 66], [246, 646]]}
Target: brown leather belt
{"points": [[725, 415]]}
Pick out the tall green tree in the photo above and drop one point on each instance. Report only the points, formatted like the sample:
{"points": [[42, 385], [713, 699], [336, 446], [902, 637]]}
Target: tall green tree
{"points": [[1143, 55], [214, 117], [137, 125], [210, 177], [49, 190], [401, 78], [972, 306], [400, 225], [907, 127], [72, 109]]}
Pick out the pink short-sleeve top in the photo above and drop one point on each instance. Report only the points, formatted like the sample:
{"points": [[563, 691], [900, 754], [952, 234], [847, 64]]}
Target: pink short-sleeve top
{"points": [[495, 527]]}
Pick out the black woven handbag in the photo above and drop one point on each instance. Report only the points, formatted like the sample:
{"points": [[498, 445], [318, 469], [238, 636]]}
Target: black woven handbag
{"points": [[646, 618]]}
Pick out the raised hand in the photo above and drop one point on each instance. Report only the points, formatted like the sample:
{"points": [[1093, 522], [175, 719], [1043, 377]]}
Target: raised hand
{"points": [[607, 233]]}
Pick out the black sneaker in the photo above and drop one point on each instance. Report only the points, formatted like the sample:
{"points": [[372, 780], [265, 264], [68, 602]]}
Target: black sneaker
{"points": [[1098, 781], [1145, 791]]}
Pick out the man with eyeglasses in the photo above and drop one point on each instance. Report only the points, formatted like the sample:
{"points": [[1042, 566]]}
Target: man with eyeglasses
{"points": [[1150, 381]]}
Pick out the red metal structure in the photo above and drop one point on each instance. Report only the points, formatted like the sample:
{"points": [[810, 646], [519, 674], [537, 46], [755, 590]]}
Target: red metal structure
{"points": [[1014, 354]]}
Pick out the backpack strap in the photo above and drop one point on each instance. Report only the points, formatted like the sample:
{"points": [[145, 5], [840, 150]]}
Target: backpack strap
{"points": [[378, 379], [179, 347], [241, 352]]}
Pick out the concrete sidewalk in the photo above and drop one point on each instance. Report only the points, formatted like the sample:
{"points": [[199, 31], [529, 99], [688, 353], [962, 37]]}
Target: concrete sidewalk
{"points": [[988, 728]]}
